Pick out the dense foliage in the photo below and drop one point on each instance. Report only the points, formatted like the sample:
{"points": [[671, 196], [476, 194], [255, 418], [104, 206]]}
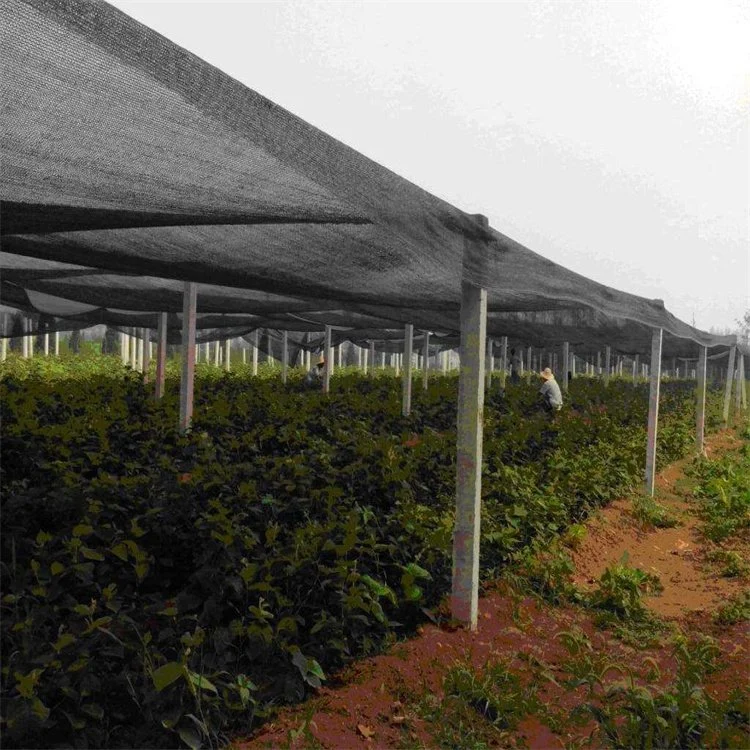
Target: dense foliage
{"points": [[162, 589]]}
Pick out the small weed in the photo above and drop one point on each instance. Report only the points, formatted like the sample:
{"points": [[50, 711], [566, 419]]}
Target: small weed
{"points": [[587, 666], [735, 610], [651, 513], [574, 535], [548, 574], [733, 564], [480, 708], [621, 589], [681, 716]]}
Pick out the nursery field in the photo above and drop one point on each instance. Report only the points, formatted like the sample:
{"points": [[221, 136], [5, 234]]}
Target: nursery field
{"points": [[170, 590]]}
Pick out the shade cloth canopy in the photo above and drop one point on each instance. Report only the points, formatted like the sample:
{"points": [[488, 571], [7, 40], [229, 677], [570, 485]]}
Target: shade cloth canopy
{"points": [[125, 153]]}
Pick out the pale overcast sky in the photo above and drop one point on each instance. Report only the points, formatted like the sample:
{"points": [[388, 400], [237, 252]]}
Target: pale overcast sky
{"points": [[611, 137]]}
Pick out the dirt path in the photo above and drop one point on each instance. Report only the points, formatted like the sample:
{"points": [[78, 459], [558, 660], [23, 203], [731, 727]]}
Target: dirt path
{"points": [[378, 702], [677, 555]]}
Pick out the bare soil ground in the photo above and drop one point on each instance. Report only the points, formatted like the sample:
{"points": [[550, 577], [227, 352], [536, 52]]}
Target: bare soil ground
{"points": [[374, 703]]}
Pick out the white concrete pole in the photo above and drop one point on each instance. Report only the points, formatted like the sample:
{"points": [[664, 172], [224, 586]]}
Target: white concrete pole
{"points": [[255, 353], [425, 359], [57, 343], [743, 381], [382, 360], [372, 356], [408, 364], [465, 587], [339, 358], [398, 364], [228, 354], [607, 363], [530, 366], [161, 356], [133, 342], [244, 354], [738, 387], [46, 345], [189, 309], [3, 350], [146, 353], [503, 360], [284, 356], [217, 347], [365, 361], [598, 363], [329, 361], [140, 333], [565, 364], [269, 356], [359, 356], [653, 410], [24, 338], [700, 411], [488, 366]]}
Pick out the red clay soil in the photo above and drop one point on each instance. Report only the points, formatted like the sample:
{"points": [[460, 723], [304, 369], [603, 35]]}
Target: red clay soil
{"points": [[373, 703]]}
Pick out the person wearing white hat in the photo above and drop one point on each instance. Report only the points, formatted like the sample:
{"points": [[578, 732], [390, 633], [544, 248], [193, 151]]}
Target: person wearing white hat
{"points": [[314, 377], [550, 392]]}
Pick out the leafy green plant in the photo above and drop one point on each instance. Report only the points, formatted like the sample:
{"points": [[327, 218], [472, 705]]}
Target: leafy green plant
{"points": [[621, 588], [680, 716], [479, 708], [652, 513], [735, 610], [732, 563]]}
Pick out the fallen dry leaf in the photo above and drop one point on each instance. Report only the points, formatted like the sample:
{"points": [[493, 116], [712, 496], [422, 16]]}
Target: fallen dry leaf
{"points": [[367, 732]]}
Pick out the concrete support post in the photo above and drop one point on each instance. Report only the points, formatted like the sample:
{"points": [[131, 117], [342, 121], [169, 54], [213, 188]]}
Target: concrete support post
{"points": [[382, 360], [3, 350], [57, 343], [565, 364], [740, 381], [359, 356], [46, 345], [700, 410], [503, 360], [269, 355], [465, 588], [146, 353], [743, 382], [653, 410], [228, 355], [141, 336], [607, 363], [372, 356], [255, 354], [284, 356], [488, 366], [408, 361], [244, 354], [425, 359], [529, 363], [133, 349], [329, 361], [161, 355], [365, 361], [124, 353], [189, 309], [397, 361]]}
